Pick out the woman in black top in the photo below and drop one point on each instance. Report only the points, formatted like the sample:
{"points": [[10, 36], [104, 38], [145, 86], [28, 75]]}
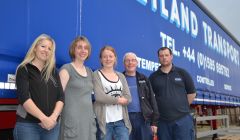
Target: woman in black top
{"points": [[39, 92]]}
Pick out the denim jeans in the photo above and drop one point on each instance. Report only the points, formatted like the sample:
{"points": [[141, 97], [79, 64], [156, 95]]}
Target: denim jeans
{"points": [[33, 131], [116, 130], [181, 129], [140, 128]]}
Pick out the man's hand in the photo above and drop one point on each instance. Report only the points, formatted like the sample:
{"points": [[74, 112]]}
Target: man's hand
{"points": [[154, 129]]}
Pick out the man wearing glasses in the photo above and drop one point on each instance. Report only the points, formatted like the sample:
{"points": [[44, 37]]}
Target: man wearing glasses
{"points": [[143, 111]]}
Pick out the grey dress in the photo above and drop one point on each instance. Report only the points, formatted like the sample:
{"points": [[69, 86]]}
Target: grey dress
{"points": [[78, 119]]}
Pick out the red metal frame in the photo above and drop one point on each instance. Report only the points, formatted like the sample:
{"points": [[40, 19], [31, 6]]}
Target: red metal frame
{"points": [[7, 118]]}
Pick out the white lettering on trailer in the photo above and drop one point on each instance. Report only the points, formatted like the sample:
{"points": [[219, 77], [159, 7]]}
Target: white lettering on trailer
{"points": [[194, 24], [147, 64], [222, 70], [215, 41], [205, 62], [227, 87], [184, 18], [205, 80], [163, 10], [174, 17], [174, 14], [6, 85], [168, 41]]}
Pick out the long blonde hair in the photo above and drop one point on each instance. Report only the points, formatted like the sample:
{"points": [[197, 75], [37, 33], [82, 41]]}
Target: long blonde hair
{"points": [[50, 64]]}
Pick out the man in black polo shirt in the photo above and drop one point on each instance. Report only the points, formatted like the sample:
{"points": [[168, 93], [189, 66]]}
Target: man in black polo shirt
{"points": [[174, 90]]}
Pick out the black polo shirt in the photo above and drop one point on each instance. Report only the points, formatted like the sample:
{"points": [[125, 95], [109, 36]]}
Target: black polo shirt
{"points": [[171, 91]]}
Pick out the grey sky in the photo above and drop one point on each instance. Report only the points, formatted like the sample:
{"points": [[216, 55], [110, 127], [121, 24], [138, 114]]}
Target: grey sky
{"points": [[227, 12]]}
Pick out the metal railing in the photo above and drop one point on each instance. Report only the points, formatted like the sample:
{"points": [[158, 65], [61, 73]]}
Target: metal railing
{"points": [[224, 118]]}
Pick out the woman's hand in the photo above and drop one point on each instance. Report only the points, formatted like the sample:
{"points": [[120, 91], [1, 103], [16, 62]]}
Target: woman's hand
{"points": [[122, 101], [48, 123]]}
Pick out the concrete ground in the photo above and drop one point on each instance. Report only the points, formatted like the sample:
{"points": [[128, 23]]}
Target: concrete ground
{"points": [[233, 130]]}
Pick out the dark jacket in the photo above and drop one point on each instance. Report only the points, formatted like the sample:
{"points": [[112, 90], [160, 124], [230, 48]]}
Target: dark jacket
{"points": [[147, 99], [31, 84]]}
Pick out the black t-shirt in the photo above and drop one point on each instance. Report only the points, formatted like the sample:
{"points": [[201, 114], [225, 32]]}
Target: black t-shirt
{"points": [[31, 84], [171, 91]]}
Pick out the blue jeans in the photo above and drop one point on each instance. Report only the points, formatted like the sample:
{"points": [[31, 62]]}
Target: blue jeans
{"points": [[181, 129], [33, 131], [116, 130], [140, 129]]}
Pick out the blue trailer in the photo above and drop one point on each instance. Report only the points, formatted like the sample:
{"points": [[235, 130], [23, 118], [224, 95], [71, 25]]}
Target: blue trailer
{"points": [[200, 44]]}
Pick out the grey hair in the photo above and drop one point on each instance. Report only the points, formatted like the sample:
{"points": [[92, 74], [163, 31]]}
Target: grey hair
{"points": [[129, 53]]}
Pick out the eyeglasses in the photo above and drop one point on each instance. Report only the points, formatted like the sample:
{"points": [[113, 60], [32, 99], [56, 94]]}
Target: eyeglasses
{"points": [[130, 60]]}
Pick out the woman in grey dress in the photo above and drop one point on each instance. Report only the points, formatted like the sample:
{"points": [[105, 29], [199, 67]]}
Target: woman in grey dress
{"points": [[78, 120]]}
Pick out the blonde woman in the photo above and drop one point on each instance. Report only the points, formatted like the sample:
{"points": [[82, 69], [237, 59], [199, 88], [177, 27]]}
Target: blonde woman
{"points": [[78, 119], [112, 97], [40, 93]]}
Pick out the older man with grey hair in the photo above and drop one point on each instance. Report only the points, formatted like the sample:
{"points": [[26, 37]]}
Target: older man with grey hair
{"points": [[143, 111]]}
